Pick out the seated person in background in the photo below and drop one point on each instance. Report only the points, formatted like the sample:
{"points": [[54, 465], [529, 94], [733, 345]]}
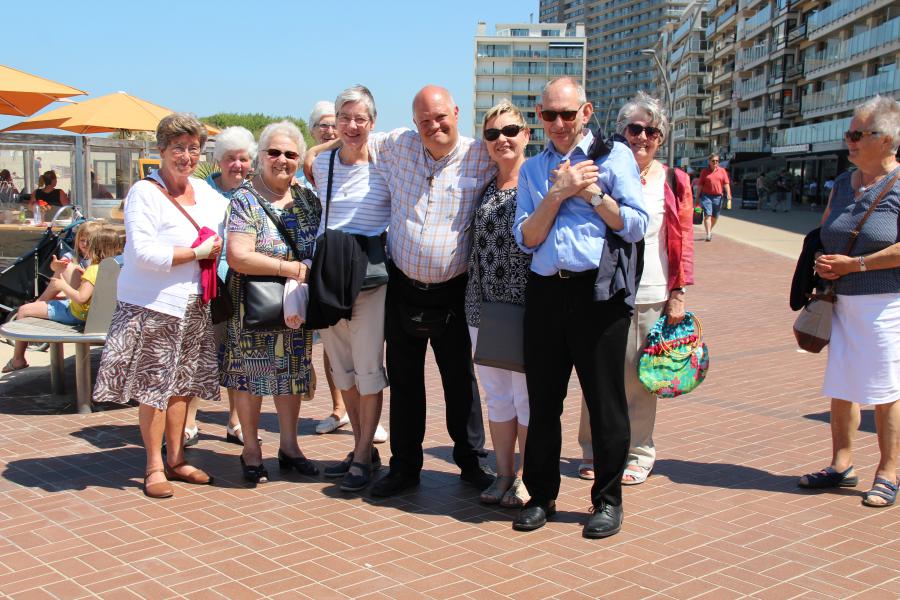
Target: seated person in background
{"points": [[48, 192], [98, 190], [72, 310]]}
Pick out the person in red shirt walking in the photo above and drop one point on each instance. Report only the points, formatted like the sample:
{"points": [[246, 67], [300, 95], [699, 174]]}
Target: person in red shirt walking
{"points": [[713, 186]]}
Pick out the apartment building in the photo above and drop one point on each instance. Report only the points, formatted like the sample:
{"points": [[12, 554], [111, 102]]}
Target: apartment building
{"points": [[517, 61], [617, 30], [690, 78]]}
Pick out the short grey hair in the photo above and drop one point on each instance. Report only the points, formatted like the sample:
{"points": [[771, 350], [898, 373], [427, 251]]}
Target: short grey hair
{"points": [[177, 124], [579, 89], [651, 107], [356, 93], [285, 128], [883, 113], [320, 109], [234, 138]]}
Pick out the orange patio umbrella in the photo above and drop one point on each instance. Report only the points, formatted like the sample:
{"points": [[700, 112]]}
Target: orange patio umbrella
{"points": [[113, 112], [23, 94]]}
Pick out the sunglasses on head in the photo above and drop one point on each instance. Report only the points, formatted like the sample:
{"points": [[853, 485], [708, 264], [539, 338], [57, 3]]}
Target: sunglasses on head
{"points": [[635, 129], [856, 135], [566, 115], [288, 154], [509, 131]]}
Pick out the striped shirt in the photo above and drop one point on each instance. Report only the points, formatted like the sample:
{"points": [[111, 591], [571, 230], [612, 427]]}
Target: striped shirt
{"points": [[360, 199], [433, 202]]}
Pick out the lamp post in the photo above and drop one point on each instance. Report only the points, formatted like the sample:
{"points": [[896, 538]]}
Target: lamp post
{"points": [[665, 79], [611, 102]]}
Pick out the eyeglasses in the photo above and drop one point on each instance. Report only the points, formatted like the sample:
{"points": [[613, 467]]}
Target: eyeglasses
{"points": [[181, 150], [567, 115], [636, 129], [288, 154], [509, 131], [326, 126], [856, 135], [714, 160], [346, 120]]}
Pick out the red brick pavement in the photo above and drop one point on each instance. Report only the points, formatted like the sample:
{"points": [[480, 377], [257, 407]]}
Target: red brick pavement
{"points": [[721, 516]]}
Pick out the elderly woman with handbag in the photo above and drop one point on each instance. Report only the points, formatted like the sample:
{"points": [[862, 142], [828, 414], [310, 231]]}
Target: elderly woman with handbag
{"points": [[498, 271], [357, 202], [271, 230], [864, 350], [668, 268], [159, 350]]}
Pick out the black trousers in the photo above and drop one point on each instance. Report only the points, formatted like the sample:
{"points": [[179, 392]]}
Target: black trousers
{"points": [[565, 327], [406, 371]]}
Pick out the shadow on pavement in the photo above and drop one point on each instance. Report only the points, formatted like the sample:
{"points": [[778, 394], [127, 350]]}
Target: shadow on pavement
{"points": [[800, 220], [867, 419]]}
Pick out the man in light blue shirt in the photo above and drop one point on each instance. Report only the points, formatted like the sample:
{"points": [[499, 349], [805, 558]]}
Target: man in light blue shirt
{"points": [[569, 208]]}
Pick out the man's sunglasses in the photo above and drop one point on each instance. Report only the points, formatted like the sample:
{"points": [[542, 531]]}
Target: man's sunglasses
{"points": [[288, 154], [566, 115], [856, 135], [509, 131], [635, 129]]}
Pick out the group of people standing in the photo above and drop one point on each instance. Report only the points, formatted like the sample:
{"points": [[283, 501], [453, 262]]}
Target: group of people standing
{"points": [[466, 221]]}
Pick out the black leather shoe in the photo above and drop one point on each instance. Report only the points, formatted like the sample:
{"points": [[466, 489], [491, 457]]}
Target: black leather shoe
{"points": [[481, 477], [340, 469], [355, 483], [301, 464], [534, 516], [394, 483], [254, 473], [605, 520]]}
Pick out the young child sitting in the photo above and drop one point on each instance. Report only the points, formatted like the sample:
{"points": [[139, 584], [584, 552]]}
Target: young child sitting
{"points": [[73, 308], [76, 261]]}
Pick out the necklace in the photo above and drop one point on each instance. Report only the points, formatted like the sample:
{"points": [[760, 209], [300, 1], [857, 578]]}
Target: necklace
{"points": [[644, 173], [268, 189]]}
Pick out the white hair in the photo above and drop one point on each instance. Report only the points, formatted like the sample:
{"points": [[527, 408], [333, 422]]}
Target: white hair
{"points": [[652, 107], [320, 109], [579, 89], [356, 93], [883, 114], [285, 128], [234, 138]]}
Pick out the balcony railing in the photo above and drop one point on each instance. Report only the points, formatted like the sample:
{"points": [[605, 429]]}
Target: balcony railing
{"points": [[689, 90], [750, 55], [725, 16], [836, 11], [720, 124], [839, 51], [749, 86], [795, 70], [758, 145], [493, 70], [757, 21], [710, 6], [853, 91], [710, 29], [754, 117], [687, 111], [797, 32], [830, 131]]}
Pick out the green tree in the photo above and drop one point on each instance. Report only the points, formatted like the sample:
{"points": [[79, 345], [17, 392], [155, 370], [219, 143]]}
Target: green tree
{"points": [[255, 122]]}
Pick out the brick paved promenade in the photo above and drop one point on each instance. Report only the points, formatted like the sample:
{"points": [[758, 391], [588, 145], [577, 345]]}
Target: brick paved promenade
{"points": [[721, 516]]}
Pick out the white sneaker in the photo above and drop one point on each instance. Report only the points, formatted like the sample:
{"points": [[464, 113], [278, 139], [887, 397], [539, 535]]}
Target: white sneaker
{"points": [[332, 423], [380, 436]]}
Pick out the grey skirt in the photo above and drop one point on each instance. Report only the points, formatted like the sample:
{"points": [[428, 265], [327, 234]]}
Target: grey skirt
{"points": [[151, 356]]}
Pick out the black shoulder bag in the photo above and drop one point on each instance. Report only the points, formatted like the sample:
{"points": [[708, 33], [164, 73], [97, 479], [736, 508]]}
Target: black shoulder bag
{"points": [[264, 294]]}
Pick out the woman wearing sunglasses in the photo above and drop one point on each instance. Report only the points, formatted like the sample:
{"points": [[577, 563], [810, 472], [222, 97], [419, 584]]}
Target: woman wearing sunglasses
{"points": [[864, 353], [498, 270], [273, 362], [668, 268]]}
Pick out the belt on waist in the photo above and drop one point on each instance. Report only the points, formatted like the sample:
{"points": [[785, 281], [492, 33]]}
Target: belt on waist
{"points": [[421, 285], [566, 274]]}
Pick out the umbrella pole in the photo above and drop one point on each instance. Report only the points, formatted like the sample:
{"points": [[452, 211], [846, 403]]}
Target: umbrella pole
{"points": [[80, 184]]}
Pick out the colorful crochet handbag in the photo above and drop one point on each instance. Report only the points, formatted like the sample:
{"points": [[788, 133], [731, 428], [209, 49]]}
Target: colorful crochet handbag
{"points": [[675, 359]]}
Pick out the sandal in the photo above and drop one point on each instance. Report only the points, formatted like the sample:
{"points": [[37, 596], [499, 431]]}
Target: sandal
{"points": [[9, 368], [636, 477], [884, 489], [234, 435], [828, 478], [516, 496], [495, 492], [586, 471], [160, 489]]}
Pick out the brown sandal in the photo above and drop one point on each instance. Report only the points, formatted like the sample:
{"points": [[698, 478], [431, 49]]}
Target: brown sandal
{"points": [[160, 489], [197, 476]]}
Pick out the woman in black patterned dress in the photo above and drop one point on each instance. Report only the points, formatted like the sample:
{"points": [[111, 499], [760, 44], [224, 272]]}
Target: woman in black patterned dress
{"points": [[497, 273]]}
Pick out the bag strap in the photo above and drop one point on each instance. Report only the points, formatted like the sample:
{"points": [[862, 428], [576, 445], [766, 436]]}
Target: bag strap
{"points": [[672, 181], [282, 230], [328, 187], [177, 204], [855, 233]]}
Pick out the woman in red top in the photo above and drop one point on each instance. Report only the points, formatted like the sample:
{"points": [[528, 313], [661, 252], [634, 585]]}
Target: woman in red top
{"points": [[713, 185], [668, 268]]}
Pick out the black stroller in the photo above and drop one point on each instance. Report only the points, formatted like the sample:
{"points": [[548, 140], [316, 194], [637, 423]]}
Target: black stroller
{"points": [[25, 279]]}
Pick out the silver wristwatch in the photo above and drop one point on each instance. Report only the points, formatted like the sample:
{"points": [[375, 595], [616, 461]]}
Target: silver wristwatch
{"points": [[597, 199]]}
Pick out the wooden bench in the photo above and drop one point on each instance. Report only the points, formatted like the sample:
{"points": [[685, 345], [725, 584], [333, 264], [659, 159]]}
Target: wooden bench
{"points": [[31, 329]]}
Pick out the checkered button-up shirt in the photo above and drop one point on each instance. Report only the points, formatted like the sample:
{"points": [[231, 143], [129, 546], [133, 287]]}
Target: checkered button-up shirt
{"points": [[433, 202]]}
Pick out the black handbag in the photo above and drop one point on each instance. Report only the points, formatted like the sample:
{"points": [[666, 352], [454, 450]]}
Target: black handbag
{"points": [[221, 307], [264, 294]]}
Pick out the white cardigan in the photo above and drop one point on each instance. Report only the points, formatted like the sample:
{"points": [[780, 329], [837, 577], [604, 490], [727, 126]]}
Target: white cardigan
{"points": [[153, 228]]}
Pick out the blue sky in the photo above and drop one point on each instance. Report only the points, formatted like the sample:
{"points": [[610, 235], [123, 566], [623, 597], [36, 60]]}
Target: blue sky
{"points": [[256, 56]]}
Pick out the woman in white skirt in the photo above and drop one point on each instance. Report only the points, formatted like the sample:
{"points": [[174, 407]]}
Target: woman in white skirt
{"points": [[864, 353]]}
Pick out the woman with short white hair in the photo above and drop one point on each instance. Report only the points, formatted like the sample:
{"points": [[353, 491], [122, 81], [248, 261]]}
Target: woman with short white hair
{"points": [[270, 362], [322, 123], [864, 352], [360, 204]]}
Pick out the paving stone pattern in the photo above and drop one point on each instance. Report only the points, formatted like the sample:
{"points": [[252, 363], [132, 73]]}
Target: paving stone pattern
{"points": [[720, 517]]}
